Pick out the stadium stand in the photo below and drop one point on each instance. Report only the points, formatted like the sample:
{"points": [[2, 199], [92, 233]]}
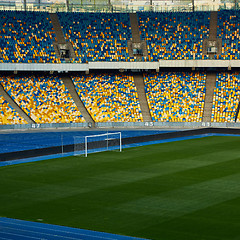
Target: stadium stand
{"points": [[228, 30], [8, 115], [44, 99], [26, 37], [102, 37], [174, 35], [226, 97], [109, 97], [175, 97]]}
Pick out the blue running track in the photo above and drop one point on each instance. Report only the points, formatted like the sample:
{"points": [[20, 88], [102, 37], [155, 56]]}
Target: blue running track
{"points": [[13, 142], [23, 230]]}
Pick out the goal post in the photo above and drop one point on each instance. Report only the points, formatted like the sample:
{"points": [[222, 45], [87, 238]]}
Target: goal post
{"points": [[97, 143]]}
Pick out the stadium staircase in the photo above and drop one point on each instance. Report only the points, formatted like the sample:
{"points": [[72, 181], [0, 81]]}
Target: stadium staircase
{"points": [[57, 28], [139, 83], [237, 112], [71, 88], [136, 39], [15, 105], [213, 26], [134, 27], [213, 36], [60, 37], [208, 103]]}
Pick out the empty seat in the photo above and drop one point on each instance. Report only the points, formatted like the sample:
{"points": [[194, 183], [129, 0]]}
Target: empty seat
{"points": [[109, 97], [43, 98], [175, 97]]}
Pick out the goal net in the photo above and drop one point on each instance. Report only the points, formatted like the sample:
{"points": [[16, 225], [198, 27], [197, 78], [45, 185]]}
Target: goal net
{"points": [[97, 143]]}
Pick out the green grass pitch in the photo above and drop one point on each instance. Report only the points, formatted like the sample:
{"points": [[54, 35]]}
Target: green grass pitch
{"points": [[180, 190]]}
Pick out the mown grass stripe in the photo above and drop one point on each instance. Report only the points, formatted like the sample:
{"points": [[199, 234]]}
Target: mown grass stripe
{"points": [[155, 191]]}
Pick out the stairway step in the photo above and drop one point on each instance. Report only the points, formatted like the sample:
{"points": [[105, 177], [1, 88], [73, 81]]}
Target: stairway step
{"points": [[15, 106], [139, 83], [134, 27], [136, 38], [57, 27], [213, 25], [60, 37], [208, 103], [71, 88]]}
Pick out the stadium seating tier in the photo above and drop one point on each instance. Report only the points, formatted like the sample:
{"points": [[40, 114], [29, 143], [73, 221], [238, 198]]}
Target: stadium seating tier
{"points": [[174, 35], [109, 97], [44, 99], [228, 31], [97, 36], [8, 115], [226, 97], [26, 37], [175, 97]]}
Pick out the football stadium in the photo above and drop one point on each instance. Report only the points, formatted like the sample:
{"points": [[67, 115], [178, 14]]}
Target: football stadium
{"points": [[119, 120]]}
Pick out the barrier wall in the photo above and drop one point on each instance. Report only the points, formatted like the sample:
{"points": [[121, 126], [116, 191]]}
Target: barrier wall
{"points": [[74, 67], [144, 125], [61, 67], [43, 126], [166, 125]]}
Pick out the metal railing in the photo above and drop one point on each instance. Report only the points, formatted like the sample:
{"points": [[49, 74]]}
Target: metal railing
{"points": [[131, 7]]}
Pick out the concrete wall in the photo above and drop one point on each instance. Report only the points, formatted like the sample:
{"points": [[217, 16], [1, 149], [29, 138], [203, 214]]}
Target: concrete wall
{"points": [[70, 67], [145, 125]]}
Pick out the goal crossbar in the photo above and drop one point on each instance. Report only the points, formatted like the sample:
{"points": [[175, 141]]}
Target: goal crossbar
{"points": [[98, 143], [107, 139]]}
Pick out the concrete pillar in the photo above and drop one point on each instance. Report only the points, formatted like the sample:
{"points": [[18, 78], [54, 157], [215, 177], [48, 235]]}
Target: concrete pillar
{"points": [[151, 5], [236, 4], [67, 5], [25, 5], [110, 5]]}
